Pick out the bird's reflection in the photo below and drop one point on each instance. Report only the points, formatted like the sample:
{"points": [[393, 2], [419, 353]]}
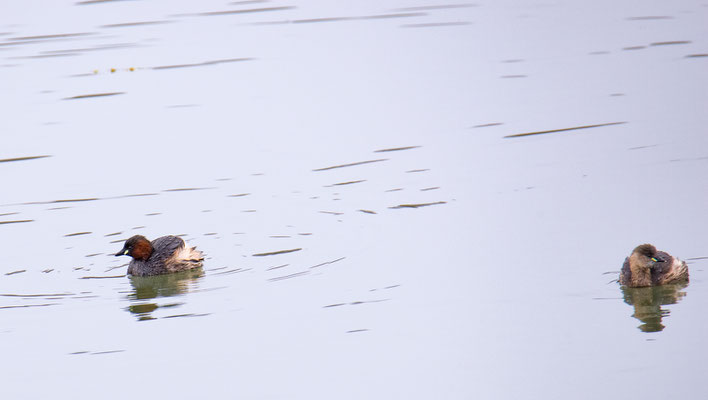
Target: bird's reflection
{"points": [[647, 302], [151, 287]]}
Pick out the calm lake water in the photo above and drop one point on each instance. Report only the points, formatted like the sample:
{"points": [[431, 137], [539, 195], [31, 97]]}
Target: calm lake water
{"points": [[404, 199]]}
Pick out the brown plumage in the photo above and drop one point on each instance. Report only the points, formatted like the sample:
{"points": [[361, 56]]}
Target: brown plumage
{"points": [[648, 267], [163, 255]]}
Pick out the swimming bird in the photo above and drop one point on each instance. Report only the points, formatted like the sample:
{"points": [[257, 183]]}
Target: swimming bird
{"points": [[648, 267], [163, 255]]}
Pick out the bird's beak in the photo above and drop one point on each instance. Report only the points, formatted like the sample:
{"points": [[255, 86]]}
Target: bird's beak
{"points": [[657, 259], [123, 252]]}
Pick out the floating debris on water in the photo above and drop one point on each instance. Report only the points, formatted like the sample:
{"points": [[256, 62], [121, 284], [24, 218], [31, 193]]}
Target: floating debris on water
{"points": [[19, 271], [366, 211], [239, 195], [272, 253], [670, 42], [77, 234], [357, 330], [331, 212], [430, 188], [564, 129], [345, 183], [18, 221], [418, 205], [21, 158]]}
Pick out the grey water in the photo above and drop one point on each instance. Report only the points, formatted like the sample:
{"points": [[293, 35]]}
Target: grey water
{"points": [[404, 199]]}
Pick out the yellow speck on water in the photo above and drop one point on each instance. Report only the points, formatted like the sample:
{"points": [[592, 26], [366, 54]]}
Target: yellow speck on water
{"points": [[113, 70], [95, 71], [131, 69]]}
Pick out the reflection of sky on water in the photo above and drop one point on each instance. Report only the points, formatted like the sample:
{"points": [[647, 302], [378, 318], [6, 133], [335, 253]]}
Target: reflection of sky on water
{"points": [[403, 200]]}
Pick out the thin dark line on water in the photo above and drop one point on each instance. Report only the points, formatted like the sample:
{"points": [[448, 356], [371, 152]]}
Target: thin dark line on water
{"points": [[436, 24], [417, 205], [28, 306], [345, 183], [21, 158], [77, 234], [697, 55], [131, 24], [649, 18], [396, 149], [187, 315], [88, 96], [670, 42], [188, 189], [202, 64], [232, 271], [350, 164], [327, 262], [107, 351], [36, 295], [19, 221], [19, 271], [331, 212], [273, 253], [102, 277], [564, 129], [488, 125], [366, 211], [90, 2], [45, 37], [295, 275], [357, 330], [436, 7], [245, 11], [642, 147]]}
